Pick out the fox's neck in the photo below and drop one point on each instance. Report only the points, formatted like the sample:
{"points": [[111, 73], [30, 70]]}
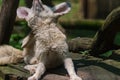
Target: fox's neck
{"points": [[44, 26]]}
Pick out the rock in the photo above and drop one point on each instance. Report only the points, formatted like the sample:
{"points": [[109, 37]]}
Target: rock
{"points": [[88, 67]]}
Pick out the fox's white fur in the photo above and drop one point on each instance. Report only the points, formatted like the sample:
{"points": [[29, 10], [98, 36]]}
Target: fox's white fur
{"points": [[9, 54], [45, 47]]}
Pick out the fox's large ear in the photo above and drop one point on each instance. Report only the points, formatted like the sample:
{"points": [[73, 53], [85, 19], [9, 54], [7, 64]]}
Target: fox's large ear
{"points": [[62, 9], [22, 12]]}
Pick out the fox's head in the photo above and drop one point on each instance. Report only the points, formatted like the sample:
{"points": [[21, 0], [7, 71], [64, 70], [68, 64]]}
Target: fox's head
{"points": [[40, 13]]}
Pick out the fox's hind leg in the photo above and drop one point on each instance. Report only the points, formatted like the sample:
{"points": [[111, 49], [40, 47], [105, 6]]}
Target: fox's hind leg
{"points": [[70, 69]]}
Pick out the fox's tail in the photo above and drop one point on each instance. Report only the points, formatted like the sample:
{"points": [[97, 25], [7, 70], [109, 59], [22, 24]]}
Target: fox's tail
{"points": [[9, 54]]}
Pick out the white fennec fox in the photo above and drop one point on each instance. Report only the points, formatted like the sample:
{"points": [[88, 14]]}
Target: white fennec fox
{"points": [[45, 47], [8, 55]]}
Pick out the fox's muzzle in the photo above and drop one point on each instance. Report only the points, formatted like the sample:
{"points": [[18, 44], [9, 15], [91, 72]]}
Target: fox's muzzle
{"points": [[37, 6]]}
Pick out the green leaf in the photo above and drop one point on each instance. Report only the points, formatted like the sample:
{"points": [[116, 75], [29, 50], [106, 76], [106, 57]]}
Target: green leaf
{"points": [[107, 54]]}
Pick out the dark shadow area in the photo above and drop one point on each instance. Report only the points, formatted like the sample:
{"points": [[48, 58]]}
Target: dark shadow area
{"points": [[115, 57], [60, 70], [110, 68]]}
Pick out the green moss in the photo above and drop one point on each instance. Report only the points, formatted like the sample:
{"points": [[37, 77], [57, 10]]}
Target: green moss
{"points": [[107, 54]]}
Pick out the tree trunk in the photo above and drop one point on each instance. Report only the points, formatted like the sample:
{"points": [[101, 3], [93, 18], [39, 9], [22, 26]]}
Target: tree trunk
{"points": [[104, 7], [7, 19], [105, 37], [85, 5]]}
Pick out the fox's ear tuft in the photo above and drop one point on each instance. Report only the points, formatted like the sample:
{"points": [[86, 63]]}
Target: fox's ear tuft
{"points": [[22, 12], [62, 8]]}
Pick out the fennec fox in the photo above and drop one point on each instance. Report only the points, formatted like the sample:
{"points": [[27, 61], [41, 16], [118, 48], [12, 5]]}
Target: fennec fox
{"points": [[9, 55], [46, 46]]}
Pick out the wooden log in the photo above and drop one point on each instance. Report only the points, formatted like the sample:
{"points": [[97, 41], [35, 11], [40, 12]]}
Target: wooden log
{"points": [[105, 37], [82, 24], [7, 19], [78, 44]]}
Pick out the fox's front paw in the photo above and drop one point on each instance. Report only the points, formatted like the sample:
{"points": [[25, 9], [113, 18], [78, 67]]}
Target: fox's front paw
{"points": [[75, 78], [30, 69]]}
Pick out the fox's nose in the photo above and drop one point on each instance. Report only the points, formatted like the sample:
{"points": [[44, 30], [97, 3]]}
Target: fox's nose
{"points": [[36, 2]]}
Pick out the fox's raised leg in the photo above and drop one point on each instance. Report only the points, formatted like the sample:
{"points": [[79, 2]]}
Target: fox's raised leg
{"points": [[38, 53], [28, 40], [70, 69], [27, 45], [28, 55]]}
